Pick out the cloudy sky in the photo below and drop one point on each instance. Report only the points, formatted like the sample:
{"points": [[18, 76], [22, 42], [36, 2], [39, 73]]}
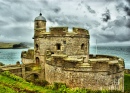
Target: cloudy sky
{"points": [[108, 21]]}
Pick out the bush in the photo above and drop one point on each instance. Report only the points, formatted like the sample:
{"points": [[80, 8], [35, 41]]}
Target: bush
{"points": [[41, 82], [2, 64]]}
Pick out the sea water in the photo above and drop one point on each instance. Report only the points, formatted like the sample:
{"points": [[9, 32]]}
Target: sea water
{"points": [[119, 51], [11, 56]]}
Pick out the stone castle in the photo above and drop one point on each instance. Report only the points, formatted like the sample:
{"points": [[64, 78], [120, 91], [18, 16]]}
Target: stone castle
{"points": [[63, 56]]}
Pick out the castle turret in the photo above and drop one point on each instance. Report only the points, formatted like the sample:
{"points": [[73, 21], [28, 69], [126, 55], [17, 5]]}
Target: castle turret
{"points": [[39, 30], [39, 25]]}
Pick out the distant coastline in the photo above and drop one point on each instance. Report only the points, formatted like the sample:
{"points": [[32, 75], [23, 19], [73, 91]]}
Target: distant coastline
{"points": [[18, 45]]}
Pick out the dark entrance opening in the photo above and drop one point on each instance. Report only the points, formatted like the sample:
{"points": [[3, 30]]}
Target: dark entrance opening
{"points": [[37, 61], [58, 46]]}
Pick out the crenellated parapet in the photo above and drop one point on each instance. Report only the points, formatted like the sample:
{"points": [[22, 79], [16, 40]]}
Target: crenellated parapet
{"points": [[28, 54], [58, 30], [63, 31], [112, 64], [80, 31], [105, 63]]}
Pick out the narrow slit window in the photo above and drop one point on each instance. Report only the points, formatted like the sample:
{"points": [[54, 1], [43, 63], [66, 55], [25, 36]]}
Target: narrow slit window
{"points": [[37, 61], [82, 47], [37, 24], [37, 46], [58, 46]]}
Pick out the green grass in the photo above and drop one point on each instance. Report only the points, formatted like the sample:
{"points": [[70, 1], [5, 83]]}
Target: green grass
{"points": [[9, 83], [127, 83]]}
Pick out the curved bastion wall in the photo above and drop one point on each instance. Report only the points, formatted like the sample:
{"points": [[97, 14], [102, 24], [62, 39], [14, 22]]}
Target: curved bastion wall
{"points": [[102, 72]]}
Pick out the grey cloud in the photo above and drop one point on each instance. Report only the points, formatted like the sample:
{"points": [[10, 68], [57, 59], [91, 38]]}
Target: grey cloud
{"points": [[57, 10], [106, 16], [128, 1], [90, 9], [127, 10], [128, 23], [20, 13], [3, 23]]}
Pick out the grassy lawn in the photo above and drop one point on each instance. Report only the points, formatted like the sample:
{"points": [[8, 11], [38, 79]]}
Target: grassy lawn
{"points": [[10, 83], [127, 83]]}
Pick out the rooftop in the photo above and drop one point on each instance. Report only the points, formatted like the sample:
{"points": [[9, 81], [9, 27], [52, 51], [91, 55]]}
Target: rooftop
{"points": [[40, 18]]}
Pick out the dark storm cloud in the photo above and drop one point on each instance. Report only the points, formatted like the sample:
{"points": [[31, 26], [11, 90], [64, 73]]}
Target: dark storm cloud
{"points": [[128, 1], [90, 9], [127, 10], [56, 10], [106, 16]]}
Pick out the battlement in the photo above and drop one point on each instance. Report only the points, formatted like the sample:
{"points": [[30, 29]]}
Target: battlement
{"points": [[28, 54], [61, 31], [58, 30], [80, 31], [98, 63], [107, 58], [64, 31]]}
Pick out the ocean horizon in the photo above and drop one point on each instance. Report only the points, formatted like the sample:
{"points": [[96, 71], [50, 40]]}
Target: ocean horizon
{"points": [[11, 56]]}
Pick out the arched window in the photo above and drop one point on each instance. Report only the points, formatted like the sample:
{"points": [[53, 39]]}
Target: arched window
{"points": [[37, 61], [58, 46], [37, 46], [35, 76], [82, 46], [37, 24]]}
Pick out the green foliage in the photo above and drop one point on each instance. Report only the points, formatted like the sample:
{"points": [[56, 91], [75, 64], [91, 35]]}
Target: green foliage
{"points": [[62, 88], [5, 89], [127, 83], [41, 82], [9, 83], [12, 76], [2, 64], [18, 84]]}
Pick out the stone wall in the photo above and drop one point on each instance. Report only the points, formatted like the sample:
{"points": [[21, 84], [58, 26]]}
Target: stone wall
{"points": [[27, 61], [102, 72], [84, 78], [68, 45]]}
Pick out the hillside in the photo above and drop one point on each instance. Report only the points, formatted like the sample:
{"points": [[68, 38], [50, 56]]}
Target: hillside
{"points": [[16, 45], [10, 83]]}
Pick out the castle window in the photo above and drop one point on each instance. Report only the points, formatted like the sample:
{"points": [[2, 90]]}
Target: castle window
{"points": [[52, 52], [37, 61], [37, 46], [37, 24], [82, 46], [58, 46], [64, 42]]}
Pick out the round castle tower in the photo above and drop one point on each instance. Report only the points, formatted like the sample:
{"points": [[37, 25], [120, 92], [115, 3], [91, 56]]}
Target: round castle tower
{"points": [[39, 25], [39, 29]]}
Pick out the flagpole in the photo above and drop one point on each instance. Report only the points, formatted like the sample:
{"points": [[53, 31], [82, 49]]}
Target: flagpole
{"points": [[96, 47]]}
